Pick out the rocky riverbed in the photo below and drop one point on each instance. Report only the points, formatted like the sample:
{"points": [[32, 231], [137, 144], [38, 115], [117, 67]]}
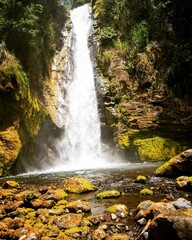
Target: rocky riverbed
{"points": [[112, 204]]}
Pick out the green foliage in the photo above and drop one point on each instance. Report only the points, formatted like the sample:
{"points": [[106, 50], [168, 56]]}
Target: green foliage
{"points": [[20, 18], [32, 30], [140, 35], [121, 45], [107, 35], [137, 23]]}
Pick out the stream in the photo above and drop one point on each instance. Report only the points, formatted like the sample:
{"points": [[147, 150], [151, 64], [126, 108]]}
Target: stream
{"points": [[120, 177]]}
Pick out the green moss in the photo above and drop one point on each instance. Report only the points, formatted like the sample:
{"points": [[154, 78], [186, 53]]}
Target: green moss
{"points": [[118, 236], [59, 194], [163, 168], [184, 182], [11, 184], [146, 191], [156, 148], [141, 179], [75, 231], [10, 146], [189, 180], [117, 208], [11, 73], [78, 185], [108, 194], [123, 141], [62, 202]]}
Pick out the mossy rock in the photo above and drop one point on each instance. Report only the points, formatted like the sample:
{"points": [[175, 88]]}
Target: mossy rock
{"points": [[69, 220], [118, 236], [146, 191], [76, 206], [108, 194], [123, 141], [156, 148], [10, 146], [117, 208], [78, 185], [77, 232], [27, 195], [63, 236], [62, 202], [177, 166], [7, 193], [184, 182], [11, 184], [56, 195], [140, 179]]}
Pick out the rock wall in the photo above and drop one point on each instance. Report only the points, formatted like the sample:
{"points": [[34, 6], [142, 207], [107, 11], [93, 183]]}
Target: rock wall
{"points": [[148, 120], [21, 113]]}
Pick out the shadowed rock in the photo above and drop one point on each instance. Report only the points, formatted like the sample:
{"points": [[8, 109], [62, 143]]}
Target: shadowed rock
{"points": [[177, 166]]}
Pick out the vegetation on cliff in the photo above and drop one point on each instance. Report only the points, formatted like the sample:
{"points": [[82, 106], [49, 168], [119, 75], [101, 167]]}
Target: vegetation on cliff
{"points": [[30, 34], [32, 31], [146, 61]]}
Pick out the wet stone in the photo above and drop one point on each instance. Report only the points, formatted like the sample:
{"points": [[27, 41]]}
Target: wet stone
{"points": [[78, 205], [78, 185], [69, 220], [98, 234], [11, 184]]}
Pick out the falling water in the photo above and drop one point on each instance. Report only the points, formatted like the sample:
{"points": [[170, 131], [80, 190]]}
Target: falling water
{"points": [[80, 146]]}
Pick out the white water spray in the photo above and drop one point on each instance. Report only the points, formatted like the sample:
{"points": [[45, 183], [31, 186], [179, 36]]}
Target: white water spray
{"points": [[80, 146]]}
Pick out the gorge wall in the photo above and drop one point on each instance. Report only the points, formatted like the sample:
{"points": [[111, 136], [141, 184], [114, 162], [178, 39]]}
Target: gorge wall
{"points": [[31, 32], [144, 61]]}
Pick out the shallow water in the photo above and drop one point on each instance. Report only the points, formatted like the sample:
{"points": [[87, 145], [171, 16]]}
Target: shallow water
{"points": [[115, 172], [120, 177]]}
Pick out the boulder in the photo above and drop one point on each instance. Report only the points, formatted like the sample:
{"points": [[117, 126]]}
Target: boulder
{"points": [[119, 210], [77, 232], [27, 195], [146, 191], [118, 237], [78, 205], [62, 236], [177, 166], [11, 184], [98, 234], [182, 203], [175, 225], [184, 183], [96, 219], [154, 210], [140, 179], [69, 220], [78, 185], [56, 195], [108, 194], [144, 205]]}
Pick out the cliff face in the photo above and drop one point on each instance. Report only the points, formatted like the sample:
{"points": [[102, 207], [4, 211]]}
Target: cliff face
{"points": [[30, 34], [21, 111], [140, 107], [146, 105]]}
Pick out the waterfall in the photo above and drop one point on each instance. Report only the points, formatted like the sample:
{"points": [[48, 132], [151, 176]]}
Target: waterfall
{"points": [[80, 146]]}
